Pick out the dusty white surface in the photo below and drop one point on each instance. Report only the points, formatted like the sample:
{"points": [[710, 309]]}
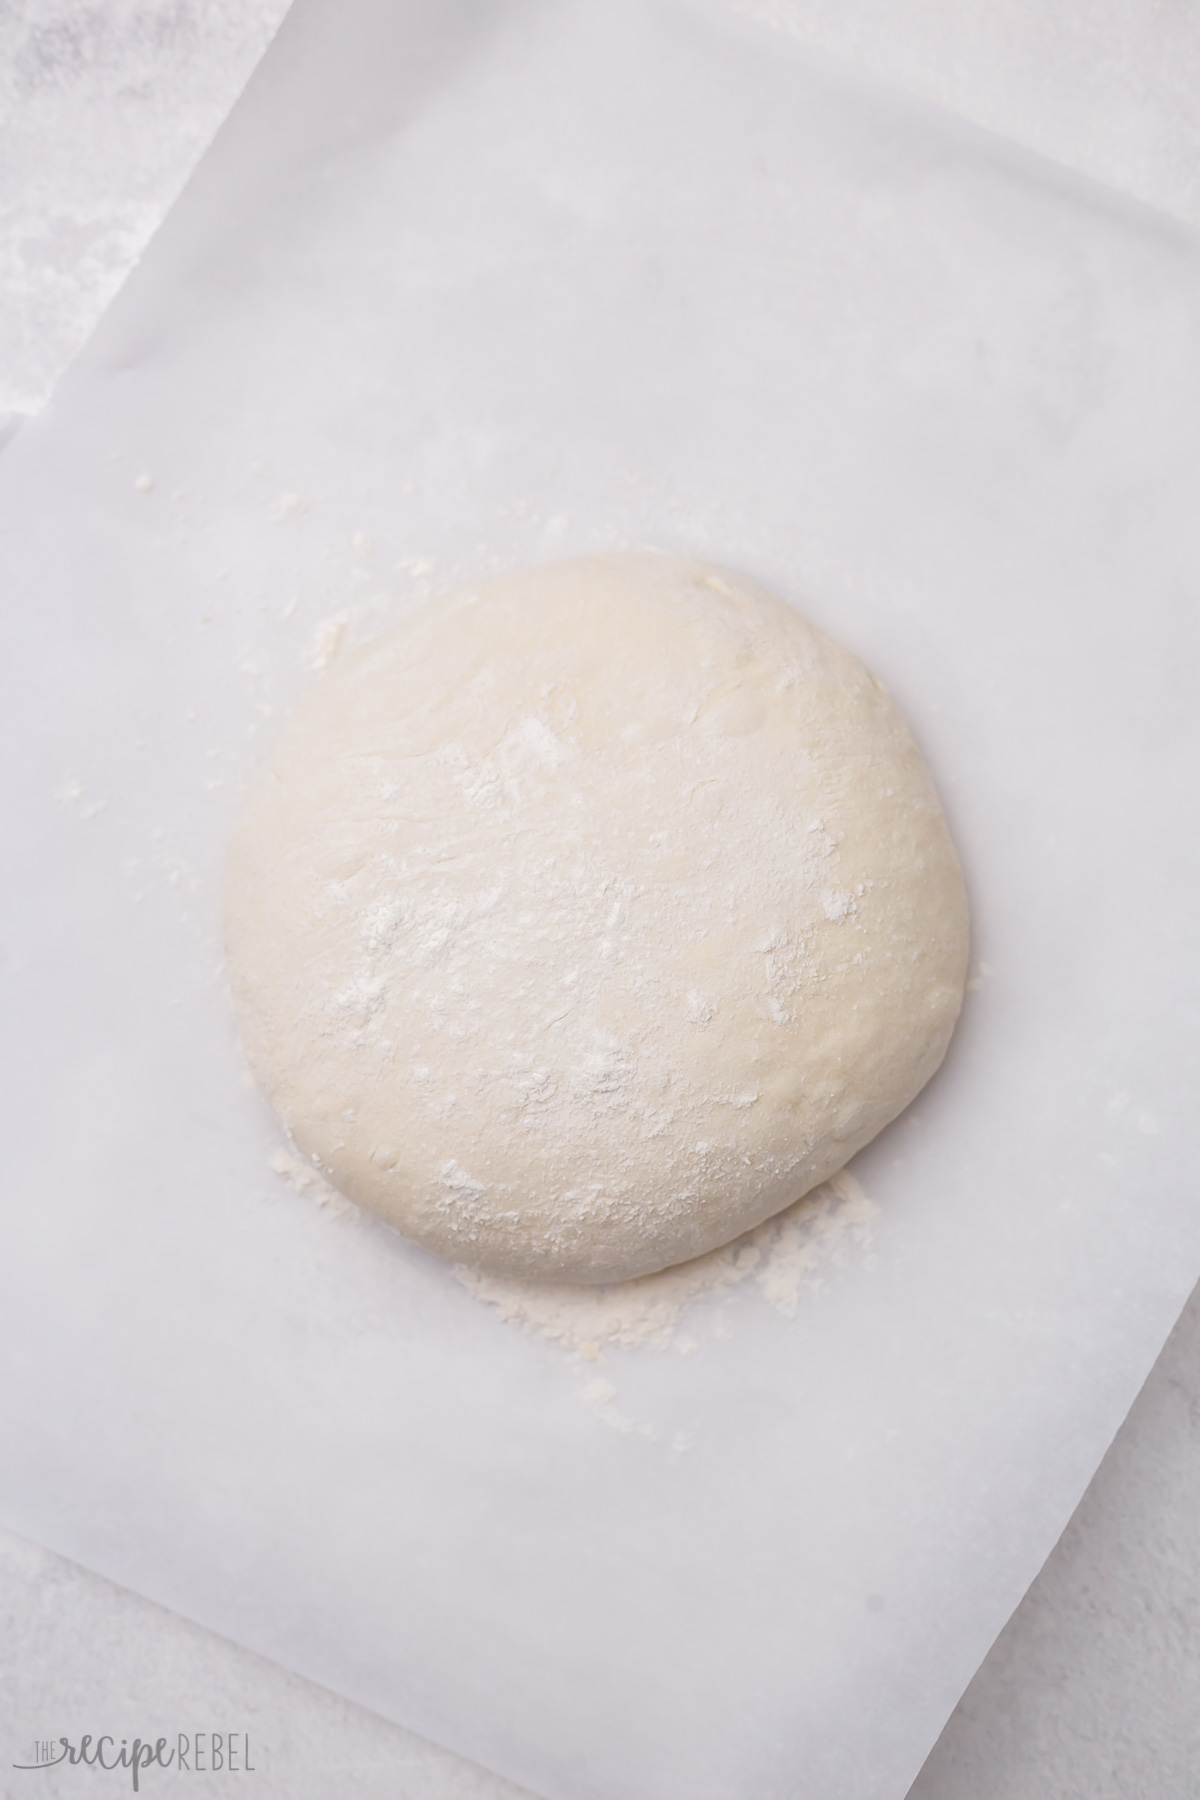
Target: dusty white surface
{"points": [[1091, 1689], [78, 1654], [104, 112]]}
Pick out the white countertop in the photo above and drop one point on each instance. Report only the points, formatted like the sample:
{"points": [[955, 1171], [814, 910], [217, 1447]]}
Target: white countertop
{"points": [[1091, 1688]]}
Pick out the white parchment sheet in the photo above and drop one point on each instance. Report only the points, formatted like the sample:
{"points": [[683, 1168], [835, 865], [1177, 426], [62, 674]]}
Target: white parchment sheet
{"points": [[463, 286]]}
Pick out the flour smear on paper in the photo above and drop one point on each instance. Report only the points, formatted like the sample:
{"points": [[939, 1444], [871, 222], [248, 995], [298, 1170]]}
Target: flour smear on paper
{"points": [[779, 1262], [784, 1258]]}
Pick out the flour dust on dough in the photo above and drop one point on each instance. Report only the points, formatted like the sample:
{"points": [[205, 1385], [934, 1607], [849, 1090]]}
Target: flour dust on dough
{"points": [[592, 917]]}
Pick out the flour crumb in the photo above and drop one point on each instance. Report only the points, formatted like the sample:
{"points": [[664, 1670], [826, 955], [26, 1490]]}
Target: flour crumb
{"points": [[836, 906], [310, 1182], [601, 1396], [288, 506], [1122, 1106], [784, 1258], [328, 639], [175, 870], [144, 483], [72, 792]]}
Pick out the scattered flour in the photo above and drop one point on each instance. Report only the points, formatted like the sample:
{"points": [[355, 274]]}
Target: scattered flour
{"points": [[328, 640], [72, 792], [310, 1182], [783, 1257], [288, 506], [601, 1394]]}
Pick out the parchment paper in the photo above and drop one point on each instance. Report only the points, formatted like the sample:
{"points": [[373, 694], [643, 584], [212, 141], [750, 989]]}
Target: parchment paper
{"points": [[462, 286]]}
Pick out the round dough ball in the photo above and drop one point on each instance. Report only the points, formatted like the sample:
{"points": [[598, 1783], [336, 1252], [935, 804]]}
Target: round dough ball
{"points": [[592, 916]]}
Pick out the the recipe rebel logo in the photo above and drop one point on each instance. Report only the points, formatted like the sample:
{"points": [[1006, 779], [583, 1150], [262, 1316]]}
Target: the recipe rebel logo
{"points": [[193, 1753]]}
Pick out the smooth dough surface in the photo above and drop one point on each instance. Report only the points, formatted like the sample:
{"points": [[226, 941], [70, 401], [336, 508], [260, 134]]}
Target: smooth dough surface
{"points": [[592, 916]]}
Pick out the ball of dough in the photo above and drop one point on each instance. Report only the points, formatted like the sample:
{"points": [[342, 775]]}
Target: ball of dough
{"points": [[592, 916]]}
